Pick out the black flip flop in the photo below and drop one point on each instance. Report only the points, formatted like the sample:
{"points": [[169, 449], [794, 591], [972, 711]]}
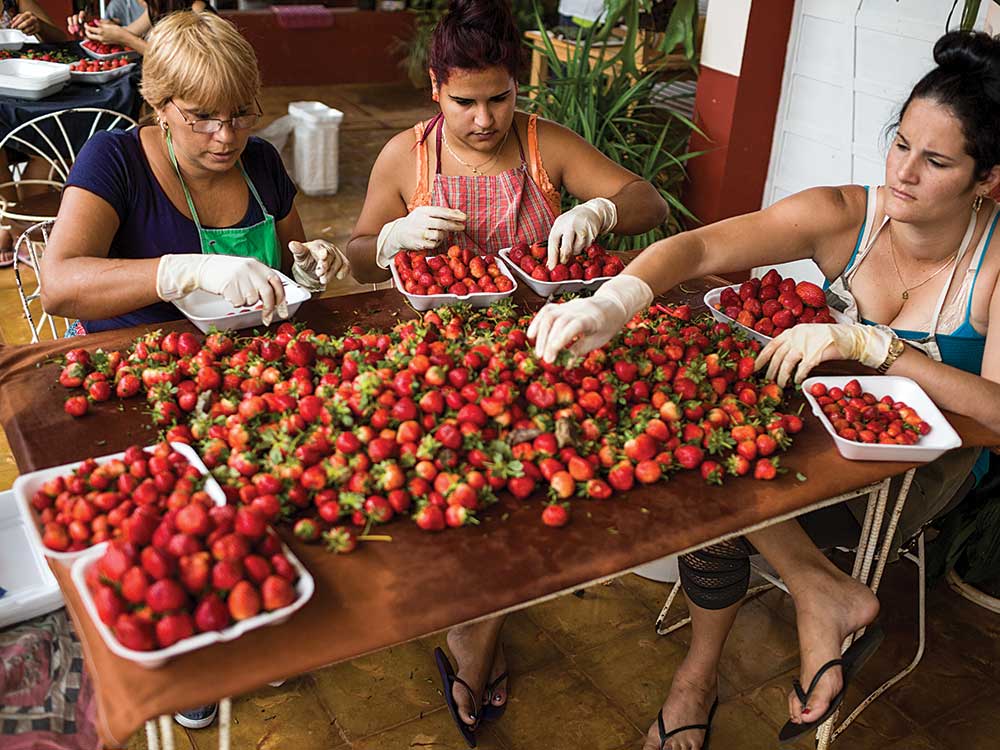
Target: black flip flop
{"points": [[491, 712], [448, 680], [706, 727], [851, 662]]}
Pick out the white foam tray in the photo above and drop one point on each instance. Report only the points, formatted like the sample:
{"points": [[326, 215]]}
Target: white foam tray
{"points": [[132, 54], [940, 439], [26, 485], [13, 39], [304, 588], [101, 76], [712, 297], [209, 311], [422, 302], [31, 79], [550, 288], [32, 590]]}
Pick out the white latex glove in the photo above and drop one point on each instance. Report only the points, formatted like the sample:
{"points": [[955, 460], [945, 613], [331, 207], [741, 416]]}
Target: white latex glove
{"points": [[421, 229], [594, 319], [316, 262], [804, 346], [573, 231], [242, 281]]}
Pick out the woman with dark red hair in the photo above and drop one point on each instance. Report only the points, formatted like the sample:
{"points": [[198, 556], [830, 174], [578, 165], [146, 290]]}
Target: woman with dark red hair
{"points": [[474, 176]]}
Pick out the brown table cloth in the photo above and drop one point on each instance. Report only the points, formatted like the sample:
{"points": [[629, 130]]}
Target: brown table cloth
{"points": [[389, 593]]}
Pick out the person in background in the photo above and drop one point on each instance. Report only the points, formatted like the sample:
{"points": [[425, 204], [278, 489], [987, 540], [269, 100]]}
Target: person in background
{"points": [[121, 12], [132, 34]]}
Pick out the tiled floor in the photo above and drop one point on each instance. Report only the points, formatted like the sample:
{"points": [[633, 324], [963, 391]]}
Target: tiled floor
{"points": [[589, 671]]}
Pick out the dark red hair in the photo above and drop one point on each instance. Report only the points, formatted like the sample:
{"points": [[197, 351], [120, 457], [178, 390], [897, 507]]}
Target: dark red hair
{"points": [[473, 35]]}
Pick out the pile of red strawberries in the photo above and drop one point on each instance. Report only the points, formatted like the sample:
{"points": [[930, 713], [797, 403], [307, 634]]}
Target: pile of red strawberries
{"points": [[772, 304], [593, 263], [861, 417], [459, 272], [432, 418]]}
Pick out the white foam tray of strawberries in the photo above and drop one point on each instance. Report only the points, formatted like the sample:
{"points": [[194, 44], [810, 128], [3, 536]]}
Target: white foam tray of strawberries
{"points": [[550, 288], [940, 439], [129, 53], [424, 302], [26, 485], [304, 588], [207, 311], [712, 297]]}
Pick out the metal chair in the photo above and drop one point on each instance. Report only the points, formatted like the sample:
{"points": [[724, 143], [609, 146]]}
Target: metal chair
{"points": [[31, 245], [46, 137]]}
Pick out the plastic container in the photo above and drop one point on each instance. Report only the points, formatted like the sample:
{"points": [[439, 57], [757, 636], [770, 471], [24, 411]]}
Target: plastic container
{"points": [[12, 39], [317, 139], [26, 485], [131, 54], [550, 288], [31, 588], [32, 79], [422, 302], [304, 588], [100, 76], [208, 310], [713, 296], [940, 439]]}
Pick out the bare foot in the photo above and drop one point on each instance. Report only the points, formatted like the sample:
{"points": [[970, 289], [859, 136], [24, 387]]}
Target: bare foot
{"points": [[827, 611], [499, 667], [689, 702], [473, 647]]}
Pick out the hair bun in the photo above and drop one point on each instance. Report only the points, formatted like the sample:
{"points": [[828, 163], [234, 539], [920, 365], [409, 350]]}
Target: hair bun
{"points": [[968, 52], [483, 14]]}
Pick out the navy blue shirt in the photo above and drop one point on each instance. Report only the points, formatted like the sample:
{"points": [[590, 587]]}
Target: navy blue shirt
{"points": [[112, 166]]}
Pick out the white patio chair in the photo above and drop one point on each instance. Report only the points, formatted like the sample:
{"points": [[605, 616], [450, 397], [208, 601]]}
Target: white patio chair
{"points": [[31, 245], [46, 137]]}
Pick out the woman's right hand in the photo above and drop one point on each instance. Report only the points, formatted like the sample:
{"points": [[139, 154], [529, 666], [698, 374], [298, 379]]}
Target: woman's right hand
{"points": [[422, 229], [586, 323], [105, 32], [242, 281]]}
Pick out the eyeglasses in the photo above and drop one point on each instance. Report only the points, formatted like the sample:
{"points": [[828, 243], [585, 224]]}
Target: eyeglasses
{"points": [[214, 125]]}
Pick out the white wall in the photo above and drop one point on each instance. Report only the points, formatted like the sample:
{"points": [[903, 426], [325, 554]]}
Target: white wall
{"points": [[850, 65], [725, 35]]}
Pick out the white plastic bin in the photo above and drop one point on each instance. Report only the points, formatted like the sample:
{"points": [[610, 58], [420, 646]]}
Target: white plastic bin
{"points": [[317, 135]]}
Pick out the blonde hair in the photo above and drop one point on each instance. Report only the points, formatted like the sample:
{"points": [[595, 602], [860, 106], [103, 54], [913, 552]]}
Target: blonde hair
{"points": [[200, 58]]}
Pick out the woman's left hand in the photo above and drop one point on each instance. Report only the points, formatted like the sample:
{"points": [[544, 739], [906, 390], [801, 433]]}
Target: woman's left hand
{"points": [[574, 230], [316, 262], [806, 345], [105, 32], [26, 23]]}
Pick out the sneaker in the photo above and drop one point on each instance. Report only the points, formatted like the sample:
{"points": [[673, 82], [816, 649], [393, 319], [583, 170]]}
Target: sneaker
{"points": [[198, 717]]}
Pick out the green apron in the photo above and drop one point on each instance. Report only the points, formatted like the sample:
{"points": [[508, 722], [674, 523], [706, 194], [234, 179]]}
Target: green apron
{"points": [[259, 241]]}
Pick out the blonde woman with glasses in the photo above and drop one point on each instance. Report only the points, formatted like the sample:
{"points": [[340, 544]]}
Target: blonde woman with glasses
{"points": [[192, 202]]}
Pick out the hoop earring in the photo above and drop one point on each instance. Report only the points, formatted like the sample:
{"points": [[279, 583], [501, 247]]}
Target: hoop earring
{"points": [[977, 202]]}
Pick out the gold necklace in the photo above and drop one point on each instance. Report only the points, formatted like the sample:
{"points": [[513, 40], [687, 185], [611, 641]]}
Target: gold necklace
{"points": [[906, 289], [480, 170]]}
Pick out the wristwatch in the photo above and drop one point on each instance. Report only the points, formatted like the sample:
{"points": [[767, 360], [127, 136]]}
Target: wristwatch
{"points": [[896, 348]]}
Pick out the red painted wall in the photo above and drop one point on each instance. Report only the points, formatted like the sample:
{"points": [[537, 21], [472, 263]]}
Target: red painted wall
{"points": [[738, 116], [355, 49]]}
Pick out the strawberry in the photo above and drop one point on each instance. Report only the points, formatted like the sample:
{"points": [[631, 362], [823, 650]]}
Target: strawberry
{"points": [[133, 633], [811, 294], [340, 539], [276, 592], [765, 468], [166, 595], [556, 514], [76, 406], [307, 529], [243, 601], [174, 627], [689, 456], [711, 472], [211, 614], [598, 489], [648, 472]]}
